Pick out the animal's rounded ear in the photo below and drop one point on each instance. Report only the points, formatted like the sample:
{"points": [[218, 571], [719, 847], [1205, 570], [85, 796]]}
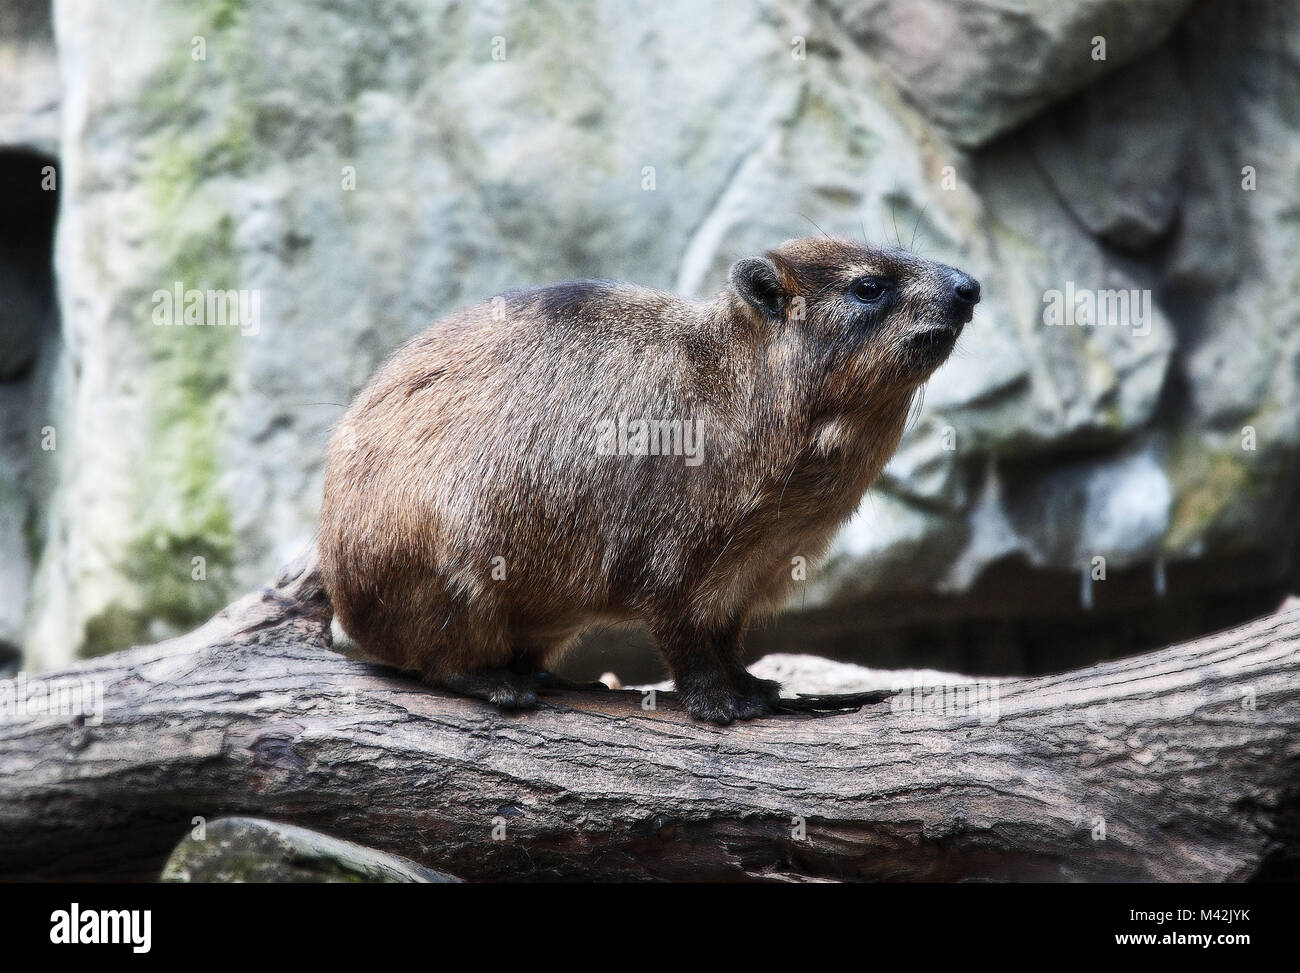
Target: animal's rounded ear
{"points": [[756, 280]]}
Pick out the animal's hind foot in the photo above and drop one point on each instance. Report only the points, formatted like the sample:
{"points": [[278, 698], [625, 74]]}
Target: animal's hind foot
{"points": [[500, 687]]}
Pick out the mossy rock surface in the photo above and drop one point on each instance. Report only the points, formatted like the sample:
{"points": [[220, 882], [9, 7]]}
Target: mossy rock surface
{"points": [[254, 850]]}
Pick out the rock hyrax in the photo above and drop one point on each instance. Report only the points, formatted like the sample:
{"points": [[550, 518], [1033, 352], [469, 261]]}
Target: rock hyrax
{"points": [[594, 451]]}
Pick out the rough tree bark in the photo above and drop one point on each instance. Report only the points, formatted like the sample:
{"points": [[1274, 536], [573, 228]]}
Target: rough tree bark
{"points": [[1180, 764]]}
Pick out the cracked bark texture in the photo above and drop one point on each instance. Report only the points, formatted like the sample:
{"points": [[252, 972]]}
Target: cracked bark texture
{"points": [[1182, 764]]}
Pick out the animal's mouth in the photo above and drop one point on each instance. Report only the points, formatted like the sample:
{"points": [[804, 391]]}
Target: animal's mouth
{"points": [[934, 341], [931, 345], [949, 330]]}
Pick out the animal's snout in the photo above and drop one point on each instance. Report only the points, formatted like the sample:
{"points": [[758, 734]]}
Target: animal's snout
{"points": [[965, 295], [965, 289]]}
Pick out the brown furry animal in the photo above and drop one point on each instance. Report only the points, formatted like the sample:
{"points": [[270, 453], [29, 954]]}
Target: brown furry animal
{"points": [[494, 489]]}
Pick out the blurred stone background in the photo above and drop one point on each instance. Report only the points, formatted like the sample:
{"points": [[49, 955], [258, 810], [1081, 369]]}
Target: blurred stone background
{"points": [[211, 142]]}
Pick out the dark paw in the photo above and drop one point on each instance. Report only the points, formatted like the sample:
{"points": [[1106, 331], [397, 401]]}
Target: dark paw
{"points": [[752, 707], [754, 697], [766, 690], [500, 687], [513, 697], [723, 706], [714, 707]]}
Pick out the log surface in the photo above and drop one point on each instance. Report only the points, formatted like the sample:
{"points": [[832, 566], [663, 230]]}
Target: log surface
{"points": [[1181, 764]]}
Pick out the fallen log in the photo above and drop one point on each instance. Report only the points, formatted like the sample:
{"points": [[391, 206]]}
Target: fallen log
{"points": [[1181, 764]]}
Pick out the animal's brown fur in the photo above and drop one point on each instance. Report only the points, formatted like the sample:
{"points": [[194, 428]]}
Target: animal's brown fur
{"points": [[477, 440]]}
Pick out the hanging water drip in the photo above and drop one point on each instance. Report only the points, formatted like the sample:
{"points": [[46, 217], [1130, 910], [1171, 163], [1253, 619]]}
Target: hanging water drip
{"points": [[1085, 587], [1161, 581]]}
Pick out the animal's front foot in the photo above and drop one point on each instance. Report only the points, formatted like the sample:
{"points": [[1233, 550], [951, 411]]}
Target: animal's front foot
{"points": [[762, 693], [718, 707], [500, 687], [739, 698]]}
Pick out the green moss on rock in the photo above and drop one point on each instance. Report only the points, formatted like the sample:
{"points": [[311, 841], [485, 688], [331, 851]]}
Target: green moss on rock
{"points": [[114, 628], [182, 511], [1207, 482]]}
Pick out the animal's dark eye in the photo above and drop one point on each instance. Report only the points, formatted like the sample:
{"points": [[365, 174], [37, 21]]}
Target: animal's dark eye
{"points": [[868, 291]]}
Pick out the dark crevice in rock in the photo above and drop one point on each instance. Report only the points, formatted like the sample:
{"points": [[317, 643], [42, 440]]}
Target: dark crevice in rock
{"points": [[28, 328], [27, 302]]}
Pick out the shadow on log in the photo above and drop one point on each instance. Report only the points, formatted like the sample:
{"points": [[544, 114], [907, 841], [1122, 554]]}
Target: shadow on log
{"points": [[1181, 764]]}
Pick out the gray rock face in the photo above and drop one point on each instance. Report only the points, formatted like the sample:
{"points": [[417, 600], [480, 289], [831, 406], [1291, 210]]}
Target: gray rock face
{"points": [[977, 68], [253, 850], [29, 76], [1130, 387], [1116, 154], [15, 568]]}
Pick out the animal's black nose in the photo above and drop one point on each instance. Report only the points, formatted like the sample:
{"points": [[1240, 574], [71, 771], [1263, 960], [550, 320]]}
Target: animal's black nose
{"points": [[967, 289]]}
